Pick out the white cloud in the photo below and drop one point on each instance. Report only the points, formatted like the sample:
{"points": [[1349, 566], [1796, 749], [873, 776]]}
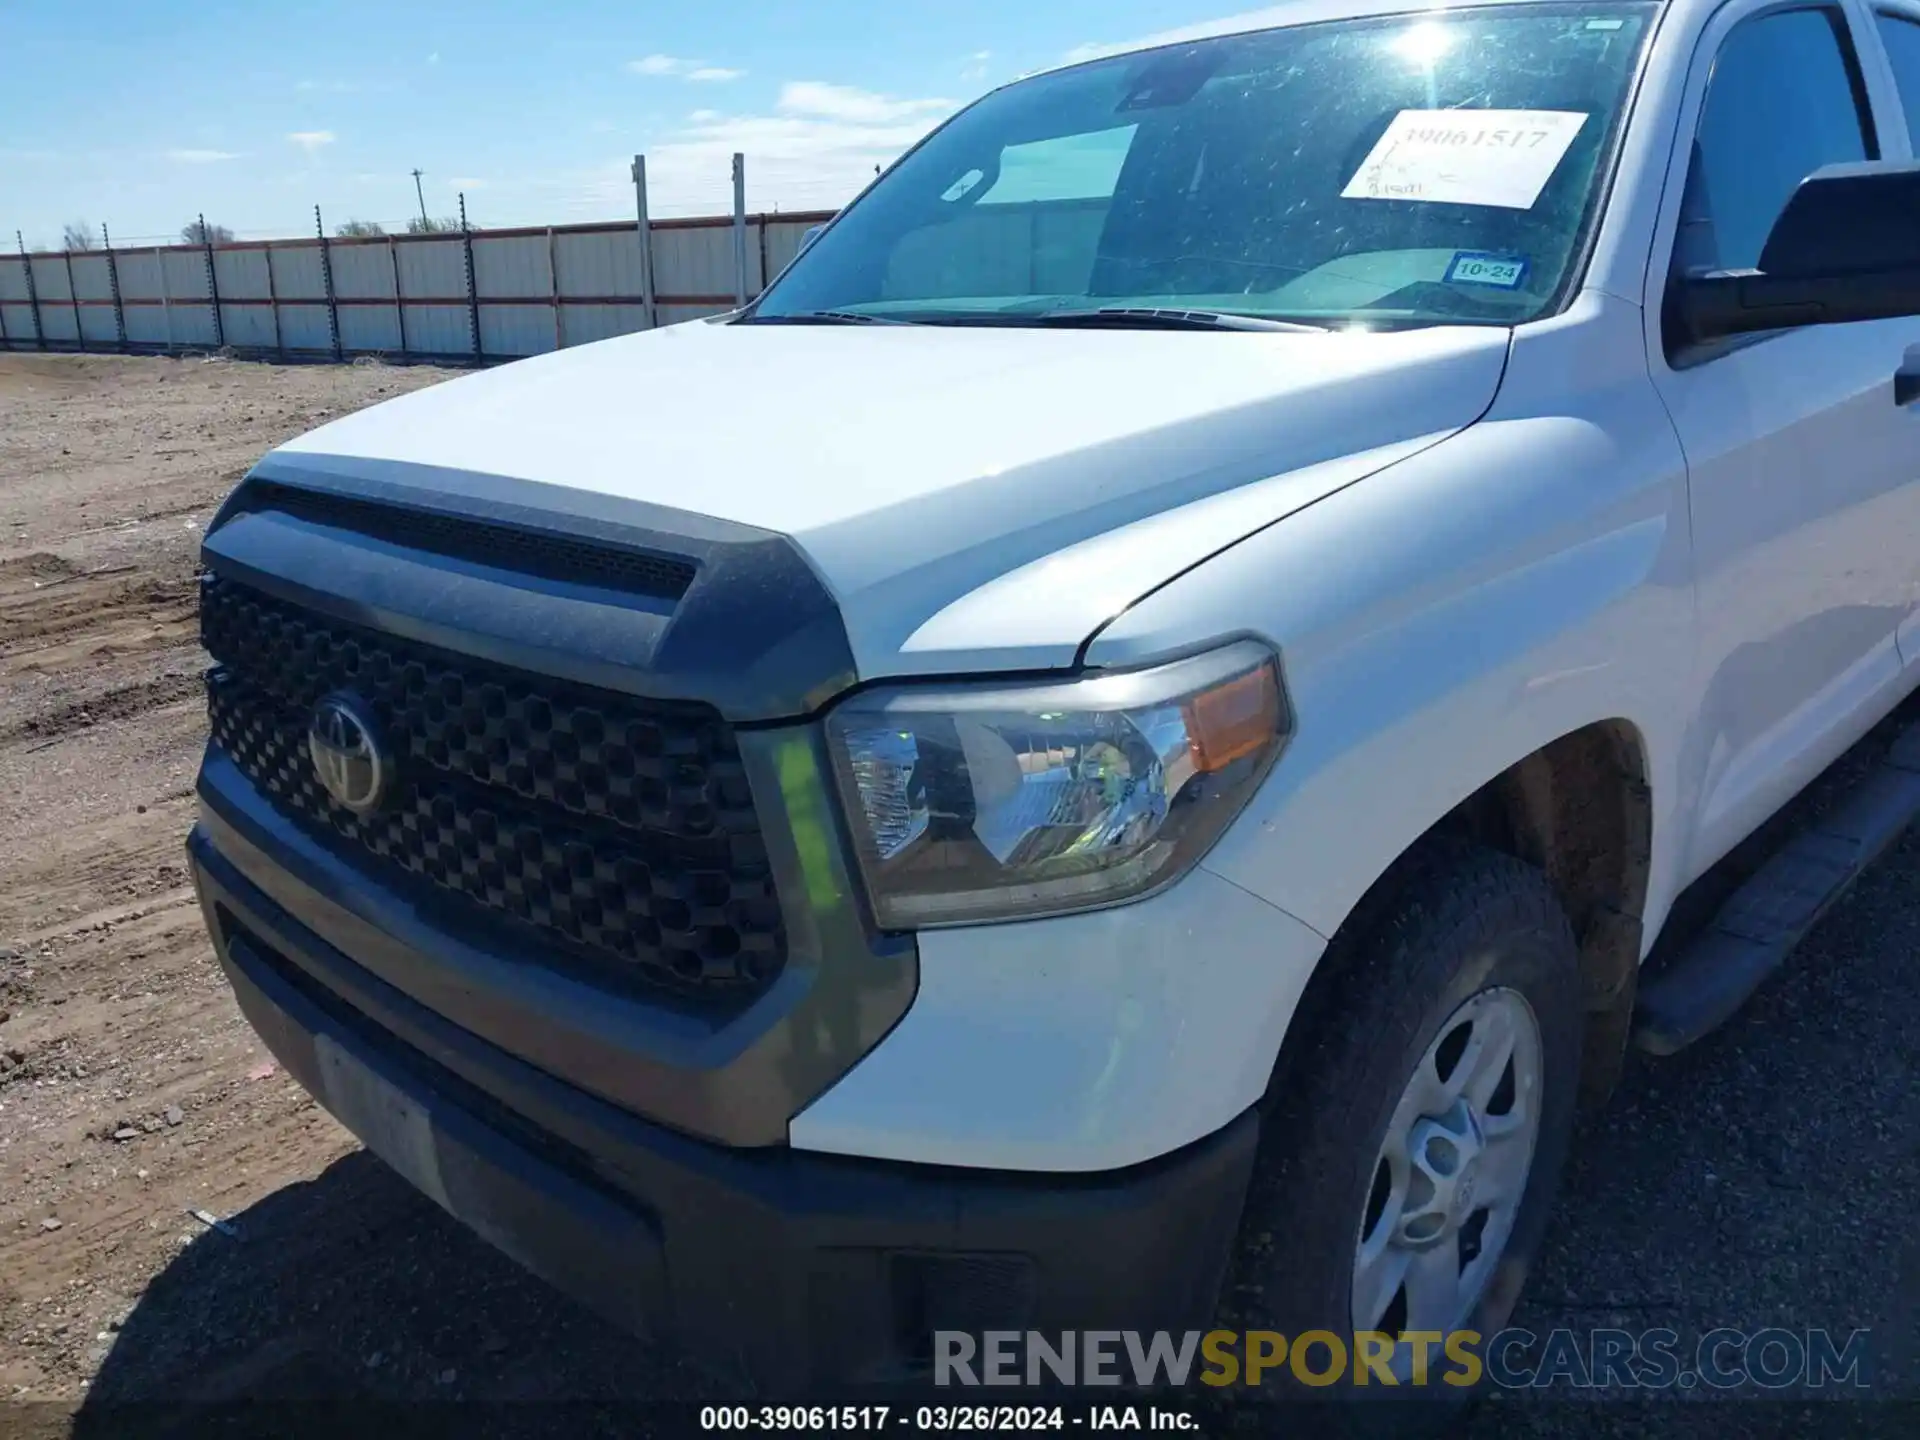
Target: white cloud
{"points": [[467, 182], [201, 157], [1201, 30], [312, 141], [434, 58], [698, 70], [976, 66], [816, 151], [860, 107]]}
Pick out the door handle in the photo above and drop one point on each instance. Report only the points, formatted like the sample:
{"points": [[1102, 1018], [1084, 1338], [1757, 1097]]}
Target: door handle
{"points": [[1906, 380]]}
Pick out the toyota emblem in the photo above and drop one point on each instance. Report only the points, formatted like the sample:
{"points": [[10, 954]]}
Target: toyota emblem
{"points": [[347, 756]]}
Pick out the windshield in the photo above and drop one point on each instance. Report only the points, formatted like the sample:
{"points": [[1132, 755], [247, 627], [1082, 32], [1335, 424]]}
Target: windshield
{"points": [[1415, 169]]}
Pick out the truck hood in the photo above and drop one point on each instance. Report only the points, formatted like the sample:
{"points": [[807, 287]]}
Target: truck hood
{"points": [[974, 498]]}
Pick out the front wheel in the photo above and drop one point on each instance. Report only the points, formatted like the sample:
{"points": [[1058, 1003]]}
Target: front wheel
{"points": [[1417, 1129]]}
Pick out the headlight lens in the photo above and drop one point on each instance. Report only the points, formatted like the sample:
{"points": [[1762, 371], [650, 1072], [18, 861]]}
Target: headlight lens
{"points": [[1008, 800]]}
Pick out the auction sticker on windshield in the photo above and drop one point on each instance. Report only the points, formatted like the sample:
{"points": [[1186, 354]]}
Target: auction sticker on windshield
{"points": [[1466, 157], [1470, 267]]}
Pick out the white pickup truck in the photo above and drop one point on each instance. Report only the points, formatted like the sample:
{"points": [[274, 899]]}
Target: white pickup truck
{"points": [[1182, 652]]}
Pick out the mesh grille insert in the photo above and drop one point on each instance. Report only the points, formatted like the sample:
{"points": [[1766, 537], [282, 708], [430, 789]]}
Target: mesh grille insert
{"points": [[619, 832]]}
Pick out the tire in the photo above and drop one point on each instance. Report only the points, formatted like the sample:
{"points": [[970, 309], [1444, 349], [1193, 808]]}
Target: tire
{"points": [[1457, 925]]}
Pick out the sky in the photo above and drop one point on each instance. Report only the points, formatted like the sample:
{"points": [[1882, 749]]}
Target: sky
{"points": [[143, 113]]}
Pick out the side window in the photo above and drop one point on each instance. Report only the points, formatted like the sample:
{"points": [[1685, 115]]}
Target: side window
{"points": [[1901, 38], [1785, 98]]}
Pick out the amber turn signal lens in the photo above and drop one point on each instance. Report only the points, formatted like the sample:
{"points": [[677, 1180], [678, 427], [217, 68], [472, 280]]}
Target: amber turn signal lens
{"points": [[1234, 719]]}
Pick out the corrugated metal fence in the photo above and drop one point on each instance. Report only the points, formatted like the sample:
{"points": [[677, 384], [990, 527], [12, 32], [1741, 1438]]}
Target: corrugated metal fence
{"points": [[477, 295]]}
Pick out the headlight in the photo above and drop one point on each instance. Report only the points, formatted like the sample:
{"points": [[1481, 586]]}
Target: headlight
{"points": [[1013, 799]]}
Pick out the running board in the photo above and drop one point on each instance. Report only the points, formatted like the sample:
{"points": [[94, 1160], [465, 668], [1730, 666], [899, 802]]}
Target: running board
{"points": [[1769, 915]]}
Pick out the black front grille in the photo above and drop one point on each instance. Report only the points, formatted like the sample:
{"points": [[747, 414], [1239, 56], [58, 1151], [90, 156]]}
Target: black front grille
{"points": [[618, 832]]}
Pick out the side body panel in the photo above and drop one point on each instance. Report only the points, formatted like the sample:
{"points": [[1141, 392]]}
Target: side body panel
{"points": [[1529, 577], [1805, 479], [1897, 136]]}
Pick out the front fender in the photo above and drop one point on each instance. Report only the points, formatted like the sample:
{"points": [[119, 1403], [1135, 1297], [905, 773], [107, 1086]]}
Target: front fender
{"points": [[1454, 613]]}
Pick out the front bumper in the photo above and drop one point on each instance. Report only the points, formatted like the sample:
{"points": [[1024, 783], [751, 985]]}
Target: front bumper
{"points": [[790, 1269]]}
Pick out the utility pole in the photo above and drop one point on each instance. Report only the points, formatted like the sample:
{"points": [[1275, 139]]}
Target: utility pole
{"points": [[421, 195]]}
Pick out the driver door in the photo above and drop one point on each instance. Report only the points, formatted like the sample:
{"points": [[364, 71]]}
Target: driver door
{"points": [[1801, 464], [1896, 24]]}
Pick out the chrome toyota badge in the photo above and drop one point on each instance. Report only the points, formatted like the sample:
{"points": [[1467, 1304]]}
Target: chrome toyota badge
{"points": [[347, 757]]}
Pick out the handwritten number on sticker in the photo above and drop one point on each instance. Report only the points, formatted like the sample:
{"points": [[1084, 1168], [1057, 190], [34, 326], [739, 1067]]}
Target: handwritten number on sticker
{"points": [[1501, 158]]}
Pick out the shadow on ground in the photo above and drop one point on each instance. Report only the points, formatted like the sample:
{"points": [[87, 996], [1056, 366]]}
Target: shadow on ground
{"points": [[353, 1294], [1764, 1178]]}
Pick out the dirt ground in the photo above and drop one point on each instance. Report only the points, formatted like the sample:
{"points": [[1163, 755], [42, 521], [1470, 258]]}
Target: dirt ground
{"points": [[1765, 1178]]}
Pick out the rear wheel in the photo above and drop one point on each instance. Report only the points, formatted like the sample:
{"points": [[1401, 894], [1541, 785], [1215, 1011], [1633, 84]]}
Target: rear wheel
{"points": [[1417, 1131]]}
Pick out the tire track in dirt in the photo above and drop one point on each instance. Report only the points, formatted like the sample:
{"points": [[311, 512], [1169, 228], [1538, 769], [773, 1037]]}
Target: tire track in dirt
{"points": [[28, 572], [119, 702], [81, 619]]}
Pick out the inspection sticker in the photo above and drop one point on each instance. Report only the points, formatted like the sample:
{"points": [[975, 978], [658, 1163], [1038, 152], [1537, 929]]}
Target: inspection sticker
{"points": [[1473, 267], [1466, 157]]}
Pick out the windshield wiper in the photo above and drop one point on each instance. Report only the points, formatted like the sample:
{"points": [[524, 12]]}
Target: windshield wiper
{"points": [[822, 317], [1150, 317]]}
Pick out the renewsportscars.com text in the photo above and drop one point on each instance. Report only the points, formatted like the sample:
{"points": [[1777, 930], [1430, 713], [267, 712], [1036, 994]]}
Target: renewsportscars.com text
{"points": [[1768, 1359]]}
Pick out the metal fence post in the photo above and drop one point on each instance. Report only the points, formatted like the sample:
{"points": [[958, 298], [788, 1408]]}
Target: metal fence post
{"points": [[73, 303], [213, 287], [644, 232], [273, 303], [473, 295], [739, 229], [113, 288], [166, 293], [326, 278], [553, 289], [33, 291], [399, 305]]}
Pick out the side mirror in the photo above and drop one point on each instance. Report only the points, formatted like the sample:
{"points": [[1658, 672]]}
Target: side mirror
{"points": [[1847, 247], [811, 234]]}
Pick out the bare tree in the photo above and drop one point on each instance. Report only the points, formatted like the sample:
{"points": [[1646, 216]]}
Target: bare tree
{"points": [[358, 229], [79, 235], [421, 225], [214, 234]]}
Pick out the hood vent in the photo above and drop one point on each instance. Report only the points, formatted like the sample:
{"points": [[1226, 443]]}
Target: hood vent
{"points": [[522, 550]]}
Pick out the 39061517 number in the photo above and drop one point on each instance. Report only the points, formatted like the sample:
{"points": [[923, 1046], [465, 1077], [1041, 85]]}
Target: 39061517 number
{"points": [[782, 1418]]}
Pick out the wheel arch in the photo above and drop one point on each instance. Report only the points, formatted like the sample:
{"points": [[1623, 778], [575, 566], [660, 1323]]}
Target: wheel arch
{"points": [[1580, 808]]}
